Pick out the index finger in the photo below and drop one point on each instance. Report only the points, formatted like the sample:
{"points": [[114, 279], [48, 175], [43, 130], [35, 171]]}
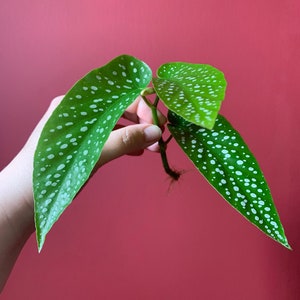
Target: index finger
{"points": [[140, 112]]}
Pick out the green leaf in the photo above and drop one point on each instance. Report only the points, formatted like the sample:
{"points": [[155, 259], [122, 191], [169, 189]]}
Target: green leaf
{"points": [[224, 159], [72, 139], [192, 91]]}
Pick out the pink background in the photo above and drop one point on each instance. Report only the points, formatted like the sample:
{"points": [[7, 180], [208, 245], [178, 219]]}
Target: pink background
{"points": [[128, 236]]}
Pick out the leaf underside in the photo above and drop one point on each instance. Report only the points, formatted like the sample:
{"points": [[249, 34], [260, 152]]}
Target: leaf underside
{"points": [[226, 162], [192, 91], [73, 137]]}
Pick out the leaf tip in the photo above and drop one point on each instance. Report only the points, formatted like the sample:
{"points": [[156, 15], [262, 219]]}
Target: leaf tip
{"points": [[40, 243], [40, 237], [287, 245]]}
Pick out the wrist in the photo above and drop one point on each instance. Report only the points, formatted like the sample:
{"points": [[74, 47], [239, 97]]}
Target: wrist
{"points": [[16, 197]]}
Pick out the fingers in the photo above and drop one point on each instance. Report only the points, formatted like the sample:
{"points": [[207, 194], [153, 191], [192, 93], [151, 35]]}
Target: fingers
{"points": [[129, 140], [140, 112]]}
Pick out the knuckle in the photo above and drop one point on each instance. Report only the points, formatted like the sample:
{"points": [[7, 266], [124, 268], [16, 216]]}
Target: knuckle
{"points": [[130, 139], [56, 101]]}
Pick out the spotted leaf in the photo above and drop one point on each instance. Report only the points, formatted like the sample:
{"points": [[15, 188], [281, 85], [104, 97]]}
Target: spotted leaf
{"points": [[72, 139], [193, 91], [226, 162]]}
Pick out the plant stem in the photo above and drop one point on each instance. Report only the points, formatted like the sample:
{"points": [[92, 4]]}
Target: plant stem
{"points": [[162, 144]]}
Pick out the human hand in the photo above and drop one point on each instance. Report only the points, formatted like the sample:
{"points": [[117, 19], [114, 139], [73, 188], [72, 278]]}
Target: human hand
{"points": [[16, 190], [131, 139]]}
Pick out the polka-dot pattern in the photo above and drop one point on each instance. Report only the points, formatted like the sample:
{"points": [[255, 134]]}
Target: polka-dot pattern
{"points": [[224, 159], [73, 138], [193, 91]]}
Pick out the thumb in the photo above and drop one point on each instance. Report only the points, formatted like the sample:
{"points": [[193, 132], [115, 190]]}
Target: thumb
{"points": [[129, 139]]}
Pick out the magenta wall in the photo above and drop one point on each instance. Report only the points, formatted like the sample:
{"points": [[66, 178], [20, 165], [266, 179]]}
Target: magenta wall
{"points": [[127, 236]]}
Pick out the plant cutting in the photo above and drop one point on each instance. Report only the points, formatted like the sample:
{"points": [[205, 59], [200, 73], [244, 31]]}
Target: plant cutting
{"points": [[73, 138]]}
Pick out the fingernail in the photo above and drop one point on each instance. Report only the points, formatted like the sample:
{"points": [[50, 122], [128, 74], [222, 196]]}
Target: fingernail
{"points": [[152, 133]]}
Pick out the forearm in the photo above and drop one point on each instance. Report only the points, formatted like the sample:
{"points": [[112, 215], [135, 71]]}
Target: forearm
{"points": [[16, 212]]}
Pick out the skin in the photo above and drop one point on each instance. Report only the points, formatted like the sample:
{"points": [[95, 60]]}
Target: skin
{"points": [[16, 197]]}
